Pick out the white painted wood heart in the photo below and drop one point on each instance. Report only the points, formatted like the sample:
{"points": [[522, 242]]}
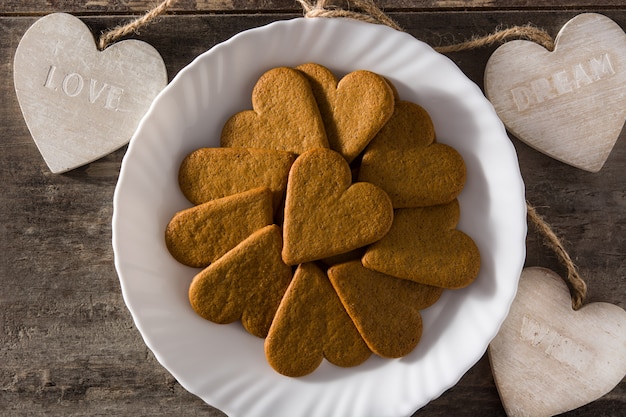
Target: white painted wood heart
{"points": [[547, 358], [569, 103], [80, 103]]}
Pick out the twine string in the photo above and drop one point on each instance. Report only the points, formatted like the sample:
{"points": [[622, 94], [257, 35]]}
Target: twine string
{"points": [[526, 32], [367, 11], [111, 35], [578, 287], [364, 10]]}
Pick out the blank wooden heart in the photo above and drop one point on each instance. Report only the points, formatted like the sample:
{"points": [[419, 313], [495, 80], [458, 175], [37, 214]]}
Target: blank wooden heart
{"points": [[569, 103], [547, 358], [80, 103]]}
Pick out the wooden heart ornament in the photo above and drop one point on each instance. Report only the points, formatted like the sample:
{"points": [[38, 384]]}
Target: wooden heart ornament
{"points": [[80, 103], [547, 358], [569, 103]]}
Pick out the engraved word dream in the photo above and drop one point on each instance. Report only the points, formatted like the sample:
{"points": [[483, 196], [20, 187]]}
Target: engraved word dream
{"points": [[565, 81]]}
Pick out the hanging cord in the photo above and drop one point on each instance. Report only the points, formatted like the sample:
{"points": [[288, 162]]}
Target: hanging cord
{"points": [[118, 32], [364, 10], [526, 32], [367, 11], [578, 287]]}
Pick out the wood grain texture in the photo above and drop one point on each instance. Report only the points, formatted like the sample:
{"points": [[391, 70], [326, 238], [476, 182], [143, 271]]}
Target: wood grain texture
{"points": [[68, 344], [140, 6]]}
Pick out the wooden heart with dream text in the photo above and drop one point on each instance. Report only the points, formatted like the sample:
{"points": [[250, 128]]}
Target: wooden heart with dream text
{"points": [[80, 103], [569, 103], [547, 358]]}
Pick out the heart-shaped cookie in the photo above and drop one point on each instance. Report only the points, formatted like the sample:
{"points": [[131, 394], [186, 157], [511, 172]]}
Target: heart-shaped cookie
{"points": [[570, 103], [547, 358], [310, 325], [424, 245], [285, 116], [246, 284], [201, 234], [353, 109], [404, 160], [210, 173], [80, 103], [325, 214], [385, 309]]}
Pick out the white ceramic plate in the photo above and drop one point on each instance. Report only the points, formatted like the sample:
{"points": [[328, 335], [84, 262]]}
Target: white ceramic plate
{"points": [[223, 364]]}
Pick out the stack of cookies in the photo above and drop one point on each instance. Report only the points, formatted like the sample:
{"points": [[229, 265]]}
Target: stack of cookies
{"points": [[325, 222]]}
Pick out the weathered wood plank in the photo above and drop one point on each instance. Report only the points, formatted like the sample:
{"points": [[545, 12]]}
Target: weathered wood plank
{"points": [[25, 7], [69, 346]]}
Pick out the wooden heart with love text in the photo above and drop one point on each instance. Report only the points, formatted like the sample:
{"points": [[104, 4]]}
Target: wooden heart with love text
{"points": [[569, 103], [547, 358], [80, 103]]}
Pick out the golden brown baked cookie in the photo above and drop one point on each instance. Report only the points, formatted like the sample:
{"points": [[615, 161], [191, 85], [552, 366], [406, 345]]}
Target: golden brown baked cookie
{"points": [[285, 116], [405, 161], [353, 109], [211, 173], [246, 284], [353, 255], [396, 94], [424, 245], [201, 234], [385, 309], [310, 325], [325, 214]]}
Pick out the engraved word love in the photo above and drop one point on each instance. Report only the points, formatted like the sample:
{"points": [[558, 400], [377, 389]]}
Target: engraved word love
{"points": [[80, 103], [72, 85], [569, 103]]}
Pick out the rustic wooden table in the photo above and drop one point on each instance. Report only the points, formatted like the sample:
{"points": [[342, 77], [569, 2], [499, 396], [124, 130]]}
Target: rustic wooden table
{"points": [[68, 345]]}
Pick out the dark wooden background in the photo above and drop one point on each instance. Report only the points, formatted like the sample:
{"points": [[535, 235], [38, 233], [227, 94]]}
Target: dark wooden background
{"points": [[68, 346]]}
